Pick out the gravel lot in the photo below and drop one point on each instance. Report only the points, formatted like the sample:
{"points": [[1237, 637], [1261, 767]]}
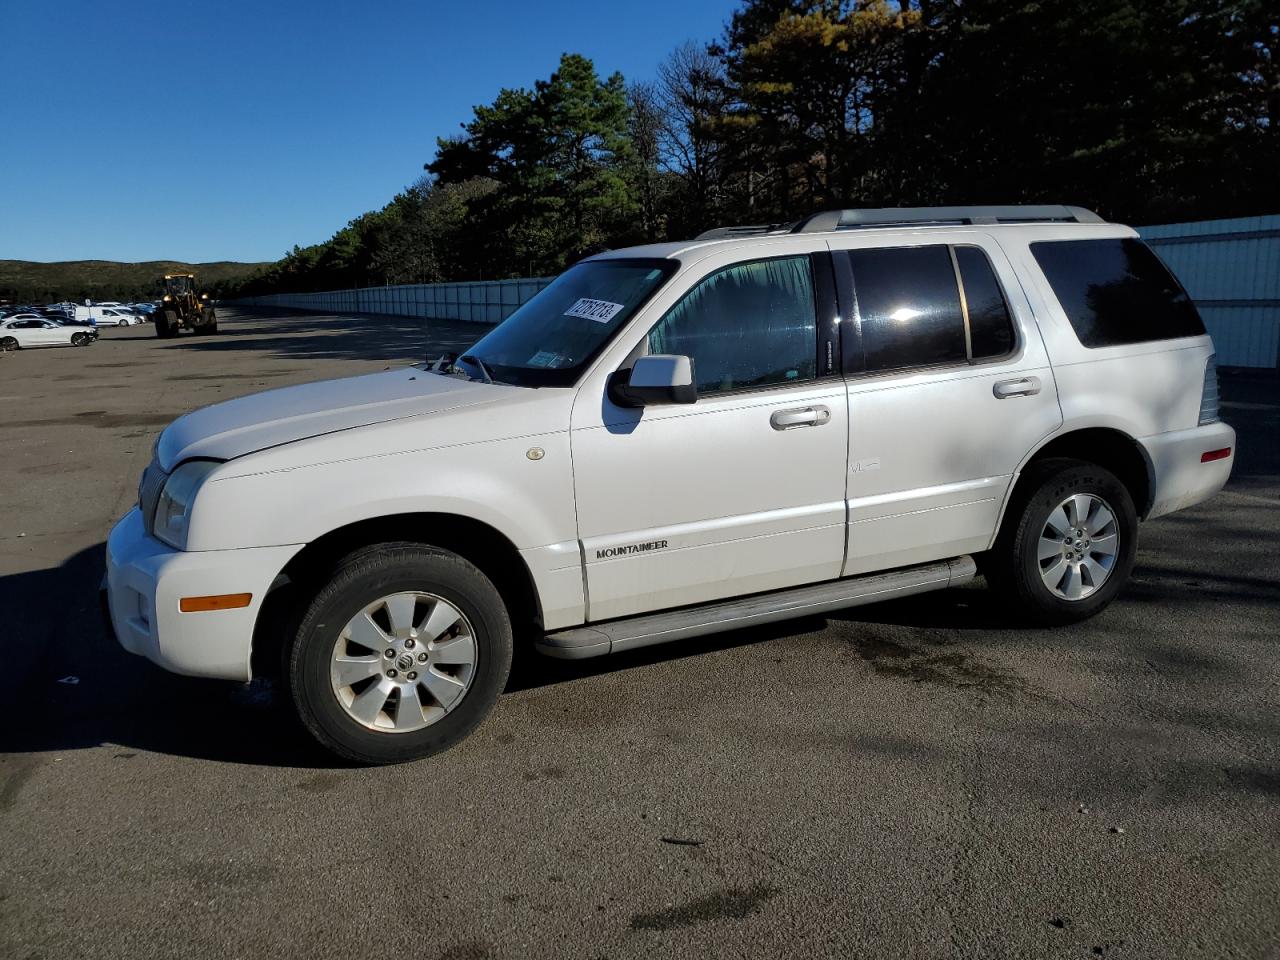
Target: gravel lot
{"points": [[923, 778]]}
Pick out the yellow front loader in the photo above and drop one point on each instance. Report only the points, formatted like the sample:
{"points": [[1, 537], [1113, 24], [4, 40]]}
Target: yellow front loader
{"points": [[181, 308]]}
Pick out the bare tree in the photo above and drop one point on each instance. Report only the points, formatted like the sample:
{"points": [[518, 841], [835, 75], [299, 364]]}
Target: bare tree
{"points": [[692, 94], [646, 123]]}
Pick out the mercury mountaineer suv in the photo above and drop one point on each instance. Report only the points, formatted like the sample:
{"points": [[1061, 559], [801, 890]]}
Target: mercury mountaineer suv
{"points": [[677, 439]]}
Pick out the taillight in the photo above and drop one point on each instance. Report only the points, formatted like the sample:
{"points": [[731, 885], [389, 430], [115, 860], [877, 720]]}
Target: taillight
{"points": [[1209, 394]]}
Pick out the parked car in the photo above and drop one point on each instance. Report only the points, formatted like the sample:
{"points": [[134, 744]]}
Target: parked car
{"points": [[32, 331], [86, 325], [108, 316], [677, 439]]}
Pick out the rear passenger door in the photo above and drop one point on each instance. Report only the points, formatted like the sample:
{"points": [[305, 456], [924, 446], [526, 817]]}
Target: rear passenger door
{"points": [[949, 388]]}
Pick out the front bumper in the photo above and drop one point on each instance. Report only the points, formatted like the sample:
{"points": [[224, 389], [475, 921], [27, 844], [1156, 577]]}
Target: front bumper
{"points": [[146, 579], [1180, 478]]}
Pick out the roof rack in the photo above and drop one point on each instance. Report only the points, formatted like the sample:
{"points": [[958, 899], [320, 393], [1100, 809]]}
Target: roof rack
{"points": [[750, 230], [828, 220]]}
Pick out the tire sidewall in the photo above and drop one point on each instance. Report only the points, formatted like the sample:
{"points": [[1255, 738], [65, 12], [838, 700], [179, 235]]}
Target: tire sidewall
{"points": [[350, 591], [1054, 489]]}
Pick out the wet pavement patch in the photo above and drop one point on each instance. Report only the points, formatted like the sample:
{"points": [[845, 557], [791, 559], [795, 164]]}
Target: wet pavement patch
{"points": [[736, 903], [262, 375], [952, 668], [100, 418]]}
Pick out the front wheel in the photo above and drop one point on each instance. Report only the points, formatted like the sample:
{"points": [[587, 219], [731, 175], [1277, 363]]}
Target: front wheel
{"points": [[79, 339], [166, 325], [1068, 543], [400, 655]]}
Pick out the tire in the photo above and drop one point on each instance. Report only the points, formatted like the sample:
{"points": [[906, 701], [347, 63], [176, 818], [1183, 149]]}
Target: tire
{"points": [[426, 587], [8, 343], [1039, 574], [167, 325], [79, 339]]}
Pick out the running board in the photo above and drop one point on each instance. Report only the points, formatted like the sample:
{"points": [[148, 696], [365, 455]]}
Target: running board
{"points": [[614, 636]]}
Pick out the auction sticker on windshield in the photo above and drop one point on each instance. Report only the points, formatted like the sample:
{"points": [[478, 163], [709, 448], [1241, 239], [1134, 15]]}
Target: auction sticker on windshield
{"points": [[601, 311]]}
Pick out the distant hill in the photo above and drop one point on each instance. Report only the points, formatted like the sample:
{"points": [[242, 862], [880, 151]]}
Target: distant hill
{"points": [[26, 280]]}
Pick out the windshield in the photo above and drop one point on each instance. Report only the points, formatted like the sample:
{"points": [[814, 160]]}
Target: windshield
{"points": [[177, 285], [550, 340]]}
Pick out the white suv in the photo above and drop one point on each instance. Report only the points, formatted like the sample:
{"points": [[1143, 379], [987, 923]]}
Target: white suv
{"points": [[678, 439]]}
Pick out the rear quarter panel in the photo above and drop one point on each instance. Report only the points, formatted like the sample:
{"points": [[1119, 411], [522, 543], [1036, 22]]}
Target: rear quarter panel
{"points": [[1140, 389]]}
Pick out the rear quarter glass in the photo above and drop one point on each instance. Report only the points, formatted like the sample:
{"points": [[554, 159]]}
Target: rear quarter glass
{"points": [[1116, 291]]}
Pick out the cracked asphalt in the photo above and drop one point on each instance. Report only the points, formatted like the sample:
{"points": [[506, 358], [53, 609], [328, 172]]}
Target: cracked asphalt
{"points": [[924, 778]]}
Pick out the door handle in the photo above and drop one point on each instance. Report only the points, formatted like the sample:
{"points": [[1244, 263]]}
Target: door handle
{"points": [[1022, 387], [814, 416]]}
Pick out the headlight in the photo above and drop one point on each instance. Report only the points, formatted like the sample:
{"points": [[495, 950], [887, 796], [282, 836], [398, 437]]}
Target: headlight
{"points": [[173, 509]]}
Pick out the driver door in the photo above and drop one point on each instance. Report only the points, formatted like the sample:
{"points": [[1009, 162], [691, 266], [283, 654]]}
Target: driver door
{"points": [[743, 490]]}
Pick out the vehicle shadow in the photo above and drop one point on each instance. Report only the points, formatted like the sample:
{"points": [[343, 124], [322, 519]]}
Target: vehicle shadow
{"points": [[70, 686]]}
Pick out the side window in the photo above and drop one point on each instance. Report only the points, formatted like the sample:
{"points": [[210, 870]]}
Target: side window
{"points": [[1116, 291], [990, 326], [749, 325], [908, 307]]}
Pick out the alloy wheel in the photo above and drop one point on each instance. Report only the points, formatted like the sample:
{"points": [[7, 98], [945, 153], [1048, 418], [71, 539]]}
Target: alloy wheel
{"points": [[403, 662], [1078, 546]]}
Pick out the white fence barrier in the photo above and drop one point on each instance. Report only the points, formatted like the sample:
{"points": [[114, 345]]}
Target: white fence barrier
{"points": [[489, 301]]}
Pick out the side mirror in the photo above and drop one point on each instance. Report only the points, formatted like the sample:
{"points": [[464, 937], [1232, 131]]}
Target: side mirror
{"points": [[656, 379]]}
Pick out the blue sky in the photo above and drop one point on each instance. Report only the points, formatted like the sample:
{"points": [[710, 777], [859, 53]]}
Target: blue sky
{"points": [[230, 130]]}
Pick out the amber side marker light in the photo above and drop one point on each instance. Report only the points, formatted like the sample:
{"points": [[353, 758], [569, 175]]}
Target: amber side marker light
{"points": [[223, 601], [1211, 455]]}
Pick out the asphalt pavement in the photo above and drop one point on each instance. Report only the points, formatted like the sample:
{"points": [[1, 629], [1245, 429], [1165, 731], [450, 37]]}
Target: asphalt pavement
{"points": [[922, 778]]}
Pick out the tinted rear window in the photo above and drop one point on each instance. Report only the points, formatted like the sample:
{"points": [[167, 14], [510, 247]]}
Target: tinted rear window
{"points": [[1116, 291]]}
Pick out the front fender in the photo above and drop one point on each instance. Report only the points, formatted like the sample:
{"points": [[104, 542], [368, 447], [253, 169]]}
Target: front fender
{"points": [[529, 501]]}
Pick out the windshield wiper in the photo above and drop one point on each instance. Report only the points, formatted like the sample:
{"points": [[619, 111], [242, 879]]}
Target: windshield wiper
{"points": [[470, 358], [443, 365]]}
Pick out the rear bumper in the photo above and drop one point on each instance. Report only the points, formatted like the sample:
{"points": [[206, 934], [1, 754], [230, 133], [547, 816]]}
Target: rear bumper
{"points": [[1180, 478], [146, 579]]}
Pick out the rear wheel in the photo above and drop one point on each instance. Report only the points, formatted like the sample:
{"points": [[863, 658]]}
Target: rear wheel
{"points": [[1068, 543], [400, 655], [8, 343]]}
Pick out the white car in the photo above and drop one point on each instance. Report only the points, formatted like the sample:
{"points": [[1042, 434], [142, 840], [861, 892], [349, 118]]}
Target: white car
{"points": [[118, 317], [104, 316], [29, 330], [678, 439]]}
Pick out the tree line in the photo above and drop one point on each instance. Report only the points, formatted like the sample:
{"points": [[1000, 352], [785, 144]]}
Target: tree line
{"points": [[1145, 110]]}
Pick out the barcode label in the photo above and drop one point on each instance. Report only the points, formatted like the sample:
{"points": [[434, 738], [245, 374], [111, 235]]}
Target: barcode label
{"points": [[601, 311]]}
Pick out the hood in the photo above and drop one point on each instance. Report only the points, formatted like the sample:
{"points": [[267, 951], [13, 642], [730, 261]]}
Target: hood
{"points": [[234, 428]]}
